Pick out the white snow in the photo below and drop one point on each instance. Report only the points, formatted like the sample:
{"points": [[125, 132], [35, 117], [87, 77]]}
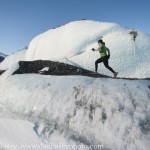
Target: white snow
{"points": [[15, 133], [12, 59], [44, 69], [114, 113], [72, 43], [77, 110], [68, 40]]}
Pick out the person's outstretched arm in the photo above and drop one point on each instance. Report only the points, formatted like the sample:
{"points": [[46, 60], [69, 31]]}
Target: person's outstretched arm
{"points": [[96, 49]]}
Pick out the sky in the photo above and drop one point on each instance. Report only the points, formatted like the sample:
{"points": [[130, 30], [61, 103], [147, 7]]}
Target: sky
{"points": [[22, 20]]}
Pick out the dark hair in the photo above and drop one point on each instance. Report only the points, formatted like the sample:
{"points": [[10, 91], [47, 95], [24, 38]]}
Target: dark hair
{"points": [[101, 41]]}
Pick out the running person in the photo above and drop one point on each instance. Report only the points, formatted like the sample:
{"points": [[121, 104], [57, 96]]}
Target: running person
{"points": [[103, 50]]}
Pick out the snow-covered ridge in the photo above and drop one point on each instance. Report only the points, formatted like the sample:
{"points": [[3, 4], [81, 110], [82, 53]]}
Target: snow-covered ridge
{"points": [[68, 40], [111, 112], [72, 44]]}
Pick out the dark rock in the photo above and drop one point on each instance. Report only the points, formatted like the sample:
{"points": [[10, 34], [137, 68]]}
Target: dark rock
{"points": [[1, 58], [2, 71], [54, 68], [134, 34]]}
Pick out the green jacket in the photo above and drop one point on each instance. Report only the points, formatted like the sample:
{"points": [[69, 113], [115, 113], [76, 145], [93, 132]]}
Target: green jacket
{"points": [[103, 50]]}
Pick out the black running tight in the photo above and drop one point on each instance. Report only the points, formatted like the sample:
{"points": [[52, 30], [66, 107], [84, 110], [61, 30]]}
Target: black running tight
{"points": [[105, 61]]}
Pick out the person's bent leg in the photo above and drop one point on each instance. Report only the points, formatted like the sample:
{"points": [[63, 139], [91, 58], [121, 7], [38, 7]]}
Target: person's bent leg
{"points": [[97, 62]]}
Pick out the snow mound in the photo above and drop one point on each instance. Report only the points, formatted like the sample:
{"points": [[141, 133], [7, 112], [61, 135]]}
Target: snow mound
{"points": [[114, 113], [72, 44], [68, 40]]}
